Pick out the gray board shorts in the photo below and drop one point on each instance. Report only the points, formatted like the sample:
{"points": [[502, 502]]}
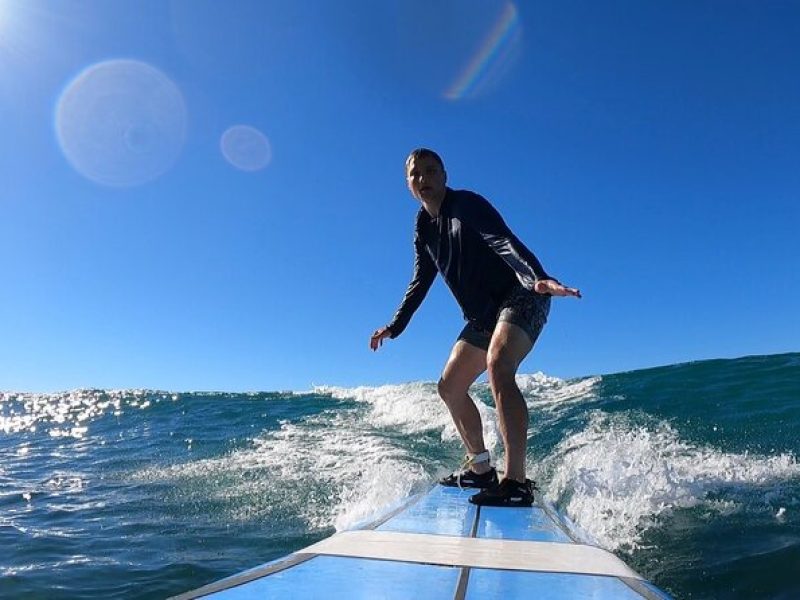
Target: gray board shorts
{"points": [[522, 307]]}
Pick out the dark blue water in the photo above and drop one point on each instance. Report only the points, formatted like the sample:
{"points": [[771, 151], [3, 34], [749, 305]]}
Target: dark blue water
{"points": [[688, 472]]}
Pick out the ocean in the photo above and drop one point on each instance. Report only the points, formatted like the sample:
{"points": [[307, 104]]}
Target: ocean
{"points": [[688, 472]]}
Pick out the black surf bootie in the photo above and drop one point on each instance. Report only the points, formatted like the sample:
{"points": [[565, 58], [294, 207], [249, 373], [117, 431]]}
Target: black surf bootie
{"points": [[467, 478], [508, 492], [470, 479]]}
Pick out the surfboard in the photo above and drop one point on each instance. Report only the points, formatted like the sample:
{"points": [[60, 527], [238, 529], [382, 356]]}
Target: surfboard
{"points": [[438, 546]]}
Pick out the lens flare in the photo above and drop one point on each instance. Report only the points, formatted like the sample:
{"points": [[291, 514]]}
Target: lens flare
{"points": [[246, 148], [121, 123], [492, 57]]}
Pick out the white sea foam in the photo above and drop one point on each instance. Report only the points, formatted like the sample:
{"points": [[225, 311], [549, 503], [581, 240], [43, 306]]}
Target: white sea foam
{"points": [[536, 387], [552, 392], [337, 468], [616, 478], [417, 406], [345, 465], [326, 470], [411, 407], [414, 408], [378, 487]]}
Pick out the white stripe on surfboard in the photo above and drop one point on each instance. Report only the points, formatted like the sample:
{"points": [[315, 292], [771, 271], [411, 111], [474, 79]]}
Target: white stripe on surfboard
{"points": [[479, 553]]}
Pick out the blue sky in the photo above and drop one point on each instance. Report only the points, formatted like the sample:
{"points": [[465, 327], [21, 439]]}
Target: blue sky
{"points": [[647, 152]]}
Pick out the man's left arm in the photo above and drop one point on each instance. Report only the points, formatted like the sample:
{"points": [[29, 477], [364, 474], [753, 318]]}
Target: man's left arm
{"points": [[479, 214]]}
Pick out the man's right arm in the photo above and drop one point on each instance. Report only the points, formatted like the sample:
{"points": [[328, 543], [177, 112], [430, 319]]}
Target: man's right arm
{"points": [[421, 281]]}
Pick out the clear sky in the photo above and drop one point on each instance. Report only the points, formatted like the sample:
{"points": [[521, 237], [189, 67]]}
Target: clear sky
{"points": [[198, 194]]}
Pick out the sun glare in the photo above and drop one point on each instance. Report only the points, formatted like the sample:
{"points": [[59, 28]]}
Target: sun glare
{"points": [[9, 38], [5, 10]]}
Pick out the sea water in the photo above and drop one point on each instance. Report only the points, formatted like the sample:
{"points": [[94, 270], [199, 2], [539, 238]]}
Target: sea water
{"points": [[689, 473]]}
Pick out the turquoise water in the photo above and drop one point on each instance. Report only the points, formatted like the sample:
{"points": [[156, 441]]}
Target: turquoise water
{"points": [[688, 472]]}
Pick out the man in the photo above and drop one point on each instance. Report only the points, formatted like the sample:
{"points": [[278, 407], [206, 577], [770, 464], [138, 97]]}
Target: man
{"points": [[505, 295]]}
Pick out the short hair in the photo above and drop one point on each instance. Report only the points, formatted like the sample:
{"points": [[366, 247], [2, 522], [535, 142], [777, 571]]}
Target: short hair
{"points": [[423, 153]]}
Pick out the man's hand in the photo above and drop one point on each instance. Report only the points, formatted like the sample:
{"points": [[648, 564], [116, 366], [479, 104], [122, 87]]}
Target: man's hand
{"points": [[553, 288], [377, 338]]}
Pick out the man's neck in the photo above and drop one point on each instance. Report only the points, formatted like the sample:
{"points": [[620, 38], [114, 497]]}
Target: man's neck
{"points": [[434, 205]]}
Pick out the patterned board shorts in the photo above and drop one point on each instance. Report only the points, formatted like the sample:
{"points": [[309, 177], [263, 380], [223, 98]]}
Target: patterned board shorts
{"points": [[523, 308]]}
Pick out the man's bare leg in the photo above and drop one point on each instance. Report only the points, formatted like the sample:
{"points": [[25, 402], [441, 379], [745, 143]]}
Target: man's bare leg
{"points": [[465, 364], [509, 346]]}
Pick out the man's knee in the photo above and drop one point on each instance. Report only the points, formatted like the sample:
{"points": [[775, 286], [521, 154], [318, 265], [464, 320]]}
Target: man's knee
{"points": [[450, 391], [444, 388], [501, 370]]}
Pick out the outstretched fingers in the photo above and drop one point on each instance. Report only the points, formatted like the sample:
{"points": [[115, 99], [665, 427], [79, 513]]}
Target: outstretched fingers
{"points": [[376, 341], [554, 288]]}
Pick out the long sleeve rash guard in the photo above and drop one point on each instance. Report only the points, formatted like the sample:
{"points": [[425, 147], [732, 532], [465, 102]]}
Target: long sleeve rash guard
{"points": [[479, 257]]}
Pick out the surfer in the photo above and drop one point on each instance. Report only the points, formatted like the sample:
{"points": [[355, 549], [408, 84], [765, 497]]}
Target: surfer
{"points": [[504, 293]]}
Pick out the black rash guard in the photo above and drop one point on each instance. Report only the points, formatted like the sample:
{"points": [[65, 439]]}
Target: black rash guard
{"points": [[479, 258]]}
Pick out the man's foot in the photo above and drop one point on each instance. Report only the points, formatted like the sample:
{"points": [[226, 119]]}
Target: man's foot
{"points": [[470, 479], [508, 492]]}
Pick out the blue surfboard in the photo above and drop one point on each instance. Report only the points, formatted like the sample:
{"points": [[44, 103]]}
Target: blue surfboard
{"points": [[439, 546]]}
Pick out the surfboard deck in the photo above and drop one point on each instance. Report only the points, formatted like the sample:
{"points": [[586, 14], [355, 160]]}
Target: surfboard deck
{"points": [[439, 546]]}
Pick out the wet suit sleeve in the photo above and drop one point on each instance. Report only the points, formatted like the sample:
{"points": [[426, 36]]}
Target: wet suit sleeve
{"points": [[477, 213], [424, 274]]}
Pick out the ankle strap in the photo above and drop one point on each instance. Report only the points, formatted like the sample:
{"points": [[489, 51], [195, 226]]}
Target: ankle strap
{"points": [[478, 458]]}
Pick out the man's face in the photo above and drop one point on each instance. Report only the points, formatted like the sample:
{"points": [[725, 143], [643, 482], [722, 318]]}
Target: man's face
{"points": [[426, 179]]}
